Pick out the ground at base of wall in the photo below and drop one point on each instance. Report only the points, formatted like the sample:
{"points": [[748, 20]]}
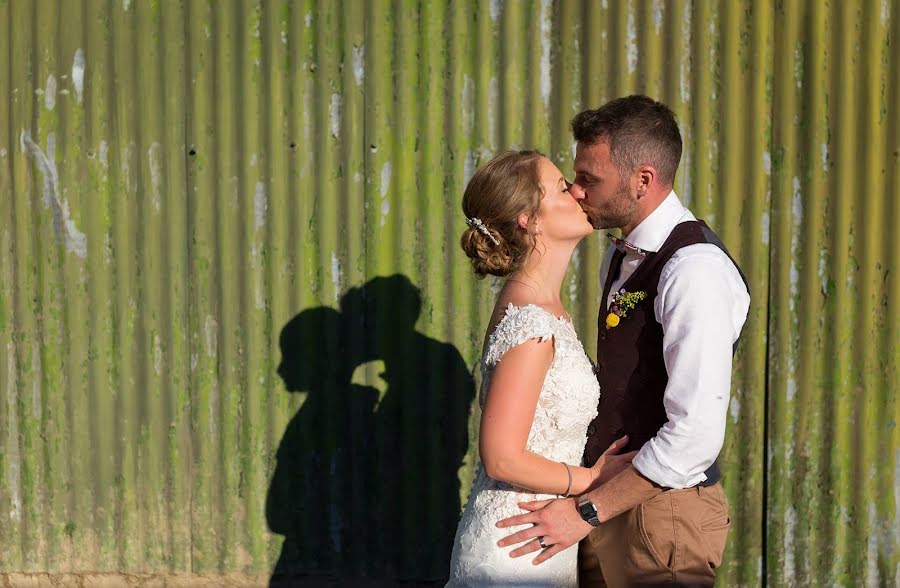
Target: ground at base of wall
{"points": [[24, 580]]}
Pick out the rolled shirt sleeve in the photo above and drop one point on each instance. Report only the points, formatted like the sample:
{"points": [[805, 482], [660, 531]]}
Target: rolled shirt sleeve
{"points": [[702, 305]]}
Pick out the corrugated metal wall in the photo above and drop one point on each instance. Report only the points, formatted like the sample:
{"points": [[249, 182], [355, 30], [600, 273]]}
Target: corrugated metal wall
{"points": [[237, 333]]}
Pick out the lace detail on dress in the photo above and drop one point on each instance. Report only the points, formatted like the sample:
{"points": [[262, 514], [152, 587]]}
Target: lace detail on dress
{"points": [[566, 405]]}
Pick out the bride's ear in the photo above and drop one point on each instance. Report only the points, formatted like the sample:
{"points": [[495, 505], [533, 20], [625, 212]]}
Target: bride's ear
{"points": [[522, 221]]}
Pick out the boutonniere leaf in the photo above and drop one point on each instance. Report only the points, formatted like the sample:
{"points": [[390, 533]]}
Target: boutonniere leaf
{"points": [[622, 302]]}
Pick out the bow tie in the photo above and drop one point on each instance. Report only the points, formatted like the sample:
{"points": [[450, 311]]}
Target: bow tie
{"points": [[624, 246]]}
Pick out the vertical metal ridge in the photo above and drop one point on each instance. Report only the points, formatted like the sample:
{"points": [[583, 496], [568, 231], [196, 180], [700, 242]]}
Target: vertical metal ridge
{"points": [[8, 319], [843, 243], [779, 519], [889, 487]]}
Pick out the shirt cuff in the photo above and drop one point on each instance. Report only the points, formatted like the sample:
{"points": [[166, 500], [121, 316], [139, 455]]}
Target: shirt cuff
{"points": [[654, 467]]}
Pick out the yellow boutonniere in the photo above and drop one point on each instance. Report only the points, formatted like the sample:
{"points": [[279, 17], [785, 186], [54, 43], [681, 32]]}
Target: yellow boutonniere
{"points": [[622, 302]]}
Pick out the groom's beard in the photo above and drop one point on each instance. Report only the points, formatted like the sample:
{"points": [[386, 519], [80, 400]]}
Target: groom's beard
{"points": [[616, 212]]}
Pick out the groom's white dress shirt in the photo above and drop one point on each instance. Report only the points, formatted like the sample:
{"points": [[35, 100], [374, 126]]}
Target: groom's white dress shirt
{"points": [[701, 304]]}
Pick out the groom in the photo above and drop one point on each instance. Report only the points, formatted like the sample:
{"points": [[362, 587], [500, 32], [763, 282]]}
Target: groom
{"points": [[673, 306]]}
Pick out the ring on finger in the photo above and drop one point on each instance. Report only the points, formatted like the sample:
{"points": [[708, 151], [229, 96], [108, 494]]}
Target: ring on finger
{"points": [[541, 542]]}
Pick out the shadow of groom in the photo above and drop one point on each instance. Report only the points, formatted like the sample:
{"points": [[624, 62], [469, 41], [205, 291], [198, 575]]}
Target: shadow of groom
{"points": [[365, 484]]}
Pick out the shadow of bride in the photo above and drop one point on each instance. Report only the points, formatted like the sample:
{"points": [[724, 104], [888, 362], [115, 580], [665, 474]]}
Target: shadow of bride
{"points": [[365, 487]]}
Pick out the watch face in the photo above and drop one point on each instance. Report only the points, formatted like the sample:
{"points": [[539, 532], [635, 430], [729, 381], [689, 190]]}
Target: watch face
{"points": [[587, 509], [588, 512]]}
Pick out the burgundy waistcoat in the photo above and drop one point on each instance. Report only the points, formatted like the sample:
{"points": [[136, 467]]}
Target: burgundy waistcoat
{"points": [[631, 369]]}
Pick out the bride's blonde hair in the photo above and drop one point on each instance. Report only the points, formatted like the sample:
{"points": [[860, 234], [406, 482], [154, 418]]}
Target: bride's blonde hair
{"points": [[502, 189]]}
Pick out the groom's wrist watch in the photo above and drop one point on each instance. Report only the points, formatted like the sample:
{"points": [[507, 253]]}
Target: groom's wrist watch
{"points": [[588, 511]]}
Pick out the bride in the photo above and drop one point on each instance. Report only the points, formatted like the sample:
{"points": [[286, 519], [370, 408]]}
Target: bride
{"points": [[538, 391]]}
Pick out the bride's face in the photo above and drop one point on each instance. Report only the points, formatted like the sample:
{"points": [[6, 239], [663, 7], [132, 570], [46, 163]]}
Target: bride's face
{"points": [[561, 218]]}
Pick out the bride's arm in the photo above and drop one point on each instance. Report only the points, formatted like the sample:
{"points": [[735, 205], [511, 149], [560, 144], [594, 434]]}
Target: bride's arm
{"points": [[506, 420]]}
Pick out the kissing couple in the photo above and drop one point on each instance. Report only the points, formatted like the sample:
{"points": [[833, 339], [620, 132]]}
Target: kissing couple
{"points": [[600, 475]]}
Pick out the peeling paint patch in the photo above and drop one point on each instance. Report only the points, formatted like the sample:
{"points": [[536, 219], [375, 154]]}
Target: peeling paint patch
{"points": [[790, 525], [3, 152], [385, 210], [13, 456], [127, 177], [467, 101], [765, 228], [896, 525], [107, 248], [157, 355], [337, 275], [385, 178], [797, 217], [792, 382], [104, 153], [126, 4], [211, 330], [734, 408], [253, 160], [767, 162], [496, 285], [657, 14], [335, 112], [468, 167], [260, 204], [385, 184], [50, 93], [824, 156], [872, 575], [545, 52], [78, 65], [308, 19], [359, 63], [684, 85], [65, 229], [823, 282], [259, 290], [496, 7], [154, 156], [885, 12], [631, 44]]}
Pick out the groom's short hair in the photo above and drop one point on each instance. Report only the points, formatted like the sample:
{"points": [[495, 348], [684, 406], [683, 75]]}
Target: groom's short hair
{"points": [[639, 131]]}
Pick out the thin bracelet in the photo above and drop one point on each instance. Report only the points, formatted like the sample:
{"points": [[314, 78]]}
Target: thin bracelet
{"points": [[569, 487]]}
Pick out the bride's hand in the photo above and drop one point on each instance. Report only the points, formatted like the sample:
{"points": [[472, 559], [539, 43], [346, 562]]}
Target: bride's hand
{"points": [[610, 463]]}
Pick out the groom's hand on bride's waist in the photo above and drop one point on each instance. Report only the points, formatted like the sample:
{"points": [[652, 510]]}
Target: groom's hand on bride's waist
{"points": [[556, 523]]}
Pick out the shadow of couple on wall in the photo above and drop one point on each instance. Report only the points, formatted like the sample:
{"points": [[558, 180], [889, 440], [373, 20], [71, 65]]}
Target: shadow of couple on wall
{"points": [[365, 483]]}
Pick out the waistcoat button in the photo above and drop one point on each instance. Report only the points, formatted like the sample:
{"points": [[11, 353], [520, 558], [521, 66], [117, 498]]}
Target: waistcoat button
{"points": [[591, 430]]}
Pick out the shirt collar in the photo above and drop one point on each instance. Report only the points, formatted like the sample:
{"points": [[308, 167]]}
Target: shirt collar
{"points": [[653, 231]]}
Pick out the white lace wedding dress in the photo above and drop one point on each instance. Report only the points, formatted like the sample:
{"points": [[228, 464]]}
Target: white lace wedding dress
{"points": [[566, 405]]}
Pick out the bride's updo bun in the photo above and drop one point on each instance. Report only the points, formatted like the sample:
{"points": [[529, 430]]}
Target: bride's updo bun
{"points": [[502, 189]]}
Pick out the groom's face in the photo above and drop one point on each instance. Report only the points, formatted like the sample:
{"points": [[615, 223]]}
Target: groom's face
{"points": [[605, 195]]}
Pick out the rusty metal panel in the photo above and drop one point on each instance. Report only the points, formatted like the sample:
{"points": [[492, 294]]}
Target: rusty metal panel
{"points": [[237, 334], [834, 324]]}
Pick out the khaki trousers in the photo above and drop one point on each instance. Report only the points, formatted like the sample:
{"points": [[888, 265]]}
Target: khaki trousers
{"points": [[674, 539]]}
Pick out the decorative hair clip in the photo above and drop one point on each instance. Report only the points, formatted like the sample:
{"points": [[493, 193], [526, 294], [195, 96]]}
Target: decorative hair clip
{"points": [[476, 223]]}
